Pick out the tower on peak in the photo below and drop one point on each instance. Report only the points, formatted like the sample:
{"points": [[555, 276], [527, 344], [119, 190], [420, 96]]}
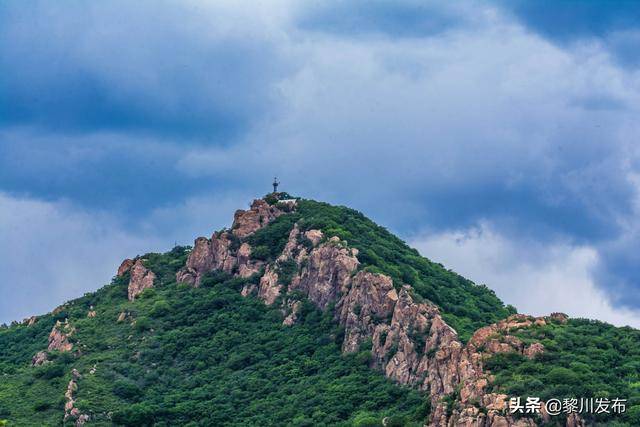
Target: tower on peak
{"points": [[275, 184]]}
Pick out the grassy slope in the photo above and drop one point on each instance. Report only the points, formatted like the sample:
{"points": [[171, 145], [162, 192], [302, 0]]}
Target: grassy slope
{"points": [[202, 356]]}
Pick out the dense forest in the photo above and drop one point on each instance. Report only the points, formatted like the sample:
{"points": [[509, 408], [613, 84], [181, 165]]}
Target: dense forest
{"points": [[179, 355]]}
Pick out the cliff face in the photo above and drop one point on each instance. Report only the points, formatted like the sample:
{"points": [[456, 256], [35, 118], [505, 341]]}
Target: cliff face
{"points": [[249, 221], [407, 336], [410, 341], [219, 253], [141, 277]]}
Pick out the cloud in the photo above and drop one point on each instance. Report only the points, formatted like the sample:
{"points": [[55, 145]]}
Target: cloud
{"points": [[396, 19], [428, 117], [447, 131], [612, 24], [169, 69], [52, 252], [538, 279]]}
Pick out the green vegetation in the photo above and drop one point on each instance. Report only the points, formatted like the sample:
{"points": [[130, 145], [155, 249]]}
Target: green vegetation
{"points": [[208, 356], [582, 359], [203, 356], [465, 305]]}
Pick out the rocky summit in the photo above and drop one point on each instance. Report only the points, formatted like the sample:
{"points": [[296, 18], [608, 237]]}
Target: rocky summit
{"points": [[303, 313]]}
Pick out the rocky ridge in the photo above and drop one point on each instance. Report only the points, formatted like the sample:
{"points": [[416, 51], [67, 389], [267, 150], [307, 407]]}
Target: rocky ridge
{"points": [[70, 411], [58, 341], [141, 277], [408, 338], [223, 250]]}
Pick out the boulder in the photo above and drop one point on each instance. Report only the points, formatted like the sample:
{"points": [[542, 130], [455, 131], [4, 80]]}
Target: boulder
{"points": [[141, 278], [124, 267]]}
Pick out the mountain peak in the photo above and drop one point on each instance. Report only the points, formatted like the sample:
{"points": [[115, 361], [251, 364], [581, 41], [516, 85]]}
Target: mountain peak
{"points": [[306, 291]]}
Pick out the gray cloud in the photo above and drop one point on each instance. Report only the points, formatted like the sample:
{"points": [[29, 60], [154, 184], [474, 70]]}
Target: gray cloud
{"points": [[168, 68], [464, 117]]}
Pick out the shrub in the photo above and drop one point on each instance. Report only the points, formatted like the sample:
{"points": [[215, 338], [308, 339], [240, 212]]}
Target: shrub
{"points": [[134, 415], [49, 371], [127, 390], [142, 324], [366, 420], [160, 308]]}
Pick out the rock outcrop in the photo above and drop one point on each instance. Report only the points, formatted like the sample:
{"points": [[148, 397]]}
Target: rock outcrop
{"points": [[59, 337], [327, 272], [257, 216], [409, 339], [124, 267], [269, 288], [218, 253], [70, 411], [30, 321], [141, 278], [58, 341], [369, 303], [225, 250], [40, 358]]}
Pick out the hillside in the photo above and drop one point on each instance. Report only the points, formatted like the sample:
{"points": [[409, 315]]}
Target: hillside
{"points": [[302, 314]]}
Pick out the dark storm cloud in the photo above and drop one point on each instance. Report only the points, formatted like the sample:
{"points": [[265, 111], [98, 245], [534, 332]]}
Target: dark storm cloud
{"points": [[615, 23], [98, 100], [156, 68], [425, 115]]}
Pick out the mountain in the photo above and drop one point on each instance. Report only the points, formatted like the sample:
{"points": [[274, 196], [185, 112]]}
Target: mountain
{"points": [[305, 314]]}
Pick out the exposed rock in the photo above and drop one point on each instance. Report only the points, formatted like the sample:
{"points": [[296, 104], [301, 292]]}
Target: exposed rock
{"points": [[291, 247], [59, 337], [40, 358], [124, 267], [248, 222], [560, 317], [246, 266], [121, 317], [91, 314], [141, 278], [533, 350], [315, 236], [199, 262], [370, 301], [327, 273], [292, 317], [269, 289], [217, 254], [70, 411], [248, 289], [574, 420], [399, 348], [30, 321]]}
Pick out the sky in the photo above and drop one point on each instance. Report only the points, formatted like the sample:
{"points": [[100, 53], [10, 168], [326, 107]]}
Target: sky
{"points": [[498, 138]]}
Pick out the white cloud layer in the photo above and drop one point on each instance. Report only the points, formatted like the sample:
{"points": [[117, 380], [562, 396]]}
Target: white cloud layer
{"points": [[537, 279], [51, 253]]}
